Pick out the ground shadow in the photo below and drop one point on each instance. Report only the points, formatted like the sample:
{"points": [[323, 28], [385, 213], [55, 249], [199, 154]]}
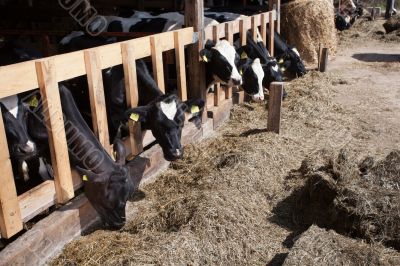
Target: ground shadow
{"points": [[278, 259], [375, 57], [253, 132]]}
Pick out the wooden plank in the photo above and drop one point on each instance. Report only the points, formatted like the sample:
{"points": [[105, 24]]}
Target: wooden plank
{"points": [[180, 65], [254, 28], [132, 96], [271, 33], [217, 86], [278, 16], [275, 107], [229, 38], [157, 60], [10, 215], [264, 21], [17, 78], [46, 73], [243, 26], [97, 100], [324, 60]]}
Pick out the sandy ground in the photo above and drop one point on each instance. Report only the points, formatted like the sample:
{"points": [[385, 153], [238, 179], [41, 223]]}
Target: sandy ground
{"points": [[228, 201]]}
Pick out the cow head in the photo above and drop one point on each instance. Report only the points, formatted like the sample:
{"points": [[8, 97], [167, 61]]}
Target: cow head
{"points": [[222, 59], [14, 115], [253, 76], [292, 62], [165, 117], [272, 73], [109, 190], [347, 6]]}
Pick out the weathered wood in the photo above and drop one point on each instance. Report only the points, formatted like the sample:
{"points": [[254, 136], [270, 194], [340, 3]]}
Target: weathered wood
{"points": [[243, 27], [46, 73], [229, 38], [180, 66], [264, 21], [220, 113], [217, 86], [278, 16], [324, 60], [319, 56], [97, 100], [10, 215], [271, 33], [254, 28], [132, 96], [275, 106], [157, 60]]}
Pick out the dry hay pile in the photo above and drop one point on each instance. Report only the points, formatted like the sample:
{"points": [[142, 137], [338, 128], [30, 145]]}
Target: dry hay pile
{"points": [[359, 200], [317, 246], [392, 24], [308, 23]]}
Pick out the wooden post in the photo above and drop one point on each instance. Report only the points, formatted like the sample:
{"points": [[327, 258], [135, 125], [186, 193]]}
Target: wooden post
{"points": [[275, 106], [132, 96], [97, 100], [264, 21], [278, 16], [243, 27], [157, 60], [217, 86], [319, 56], [10, 214], [254, 28], [52, 111], [324, 60], [271, 33], [180, 66], [229, 38]]}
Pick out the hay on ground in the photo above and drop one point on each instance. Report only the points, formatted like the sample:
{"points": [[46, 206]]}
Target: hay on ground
{"points": [[359, 200], [308, 23], [317, 246]]}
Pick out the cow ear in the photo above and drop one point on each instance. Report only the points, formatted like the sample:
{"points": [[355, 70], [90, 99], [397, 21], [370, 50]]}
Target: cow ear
{"points": [[209, 44], [138, 114], [89, 176], [206, 55], [194, 106], [119, 152]]}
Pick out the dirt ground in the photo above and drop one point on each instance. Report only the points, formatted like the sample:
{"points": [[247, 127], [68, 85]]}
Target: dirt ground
{"points": [[227, 201]]}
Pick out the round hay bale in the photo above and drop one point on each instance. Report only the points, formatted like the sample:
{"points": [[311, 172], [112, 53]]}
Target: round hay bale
{"points": [[308, 23]]}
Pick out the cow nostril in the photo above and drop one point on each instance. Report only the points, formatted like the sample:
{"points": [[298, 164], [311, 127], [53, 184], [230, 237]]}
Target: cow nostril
{"points": [[237, 81]]}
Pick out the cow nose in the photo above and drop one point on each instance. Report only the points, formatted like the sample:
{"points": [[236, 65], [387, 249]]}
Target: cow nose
{"points": [[237, 82], [29, 147], [258, 98], [177, 153]]}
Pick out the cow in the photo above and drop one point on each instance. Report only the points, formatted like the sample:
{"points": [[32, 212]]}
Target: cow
{"points": [[346, 7]]}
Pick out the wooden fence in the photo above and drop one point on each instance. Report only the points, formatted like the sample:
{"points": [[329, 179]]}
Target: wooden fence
{"points": [[45, 75]]}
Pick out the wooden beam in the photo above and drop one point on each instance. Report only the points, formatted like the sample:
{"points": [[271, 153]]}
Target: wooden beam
{"points": [[97, 100], [278, 16], [217, 86], [243, 27], [157, 60], [229, 38], [46, 74], [324, 60], [180, 66], [271, 33], [10, 215], [275, 106], [132, 96], [254, 28], [194, 17], [264, 21]]}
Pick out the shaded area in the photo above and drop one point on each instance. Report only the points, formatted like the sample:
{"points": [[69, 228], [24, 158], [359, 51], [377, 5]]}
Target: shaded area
{"points": [[375, 57]]}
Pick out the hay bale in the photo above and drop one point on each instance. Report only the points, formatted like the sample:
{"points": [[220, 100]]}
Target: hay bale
{"points": [[392, 24], [360, 200], [308, 23], [317, 246]]}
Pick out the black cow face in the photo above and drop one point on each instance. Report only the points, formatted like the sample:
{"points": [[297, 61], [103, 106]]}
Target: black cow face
{"points": [[272, 73], [14, 116], [109, 191], [165, 118], [222, 59], [253, 76], [292, 62]]}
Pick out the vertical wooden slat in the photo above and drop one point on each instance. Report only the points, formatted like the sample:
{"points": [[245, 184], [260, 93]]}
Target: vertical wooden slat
{"points": [[254, 27], [132, 96], [97, 100], [271, 32], [264, 21], [274, 107], [10, 214], [243, 27], [278, 16], [52, 110], [157, 60], [324, 60], [217, 86], [180, 66], [229, 38]]}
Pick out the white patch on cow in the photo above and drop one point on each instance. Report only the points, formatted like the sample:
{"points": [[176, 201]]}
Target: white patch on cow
{"points": [[169, 109], [43, 172], [178, 152], [347, 19], [70, 36], [257, 68], [275, 68], [11, 104], [229, 52], [25, 171], [141, 14], [296, 52], [31, 146]]}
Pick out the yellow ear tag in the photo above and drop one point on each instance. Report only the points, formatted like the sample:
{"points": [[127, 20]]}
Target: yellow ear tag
{"points": [[134, 117], [195, 109], [84, 178], [114, 155], [205, 58], [243, 55], [281, 61], [241, 72], [34, 102]]}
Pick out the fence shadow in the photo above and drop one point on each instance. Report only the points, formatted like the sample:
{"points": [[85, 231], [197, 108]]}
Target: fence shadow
{"points": [[375, 57]]}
